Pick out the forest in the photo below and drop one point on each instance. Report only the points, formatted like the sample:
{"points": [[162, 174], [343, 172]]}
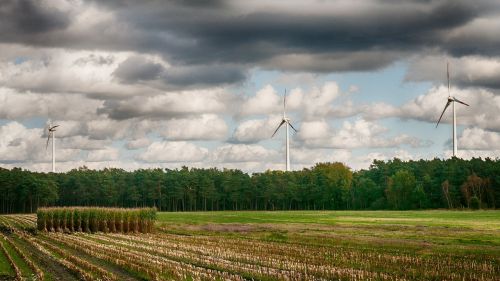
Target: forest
{"points": [[395, 184]]}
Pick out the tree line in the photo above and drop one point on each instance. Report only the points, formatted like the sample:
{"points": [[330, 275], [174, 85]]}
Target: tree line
{"points": [[394, 184]]}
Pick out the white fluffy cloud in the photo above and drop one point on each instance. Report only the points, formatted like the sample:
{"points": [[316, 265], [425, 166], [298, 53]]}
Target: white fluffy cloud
{"points": [[175, 151], [64, 71], [81, 143], [19, 144], [138, 143], [265, 101], [479, 139], [482, 112], [16, 141], [242, 153], [170, 105], [314, 130], [317, 102], [204, 127], [357, 134], [22, 105], [255, 130], [464, 71], [306, 106], [107, 154]]}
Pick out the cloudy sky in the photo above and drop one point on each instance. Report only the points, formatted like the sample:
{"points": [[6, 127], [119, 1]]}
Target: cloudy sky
{"points": [[137, 84]]}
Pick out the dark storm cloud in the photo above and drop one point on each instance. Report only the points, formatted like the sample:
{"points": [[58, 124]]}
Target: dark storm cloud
{"points": [[239, 36], [203, 75], [316, 36], [490, 82], [27, 17], [136, 69], [493, 83], [128, 109], [339, 61]]}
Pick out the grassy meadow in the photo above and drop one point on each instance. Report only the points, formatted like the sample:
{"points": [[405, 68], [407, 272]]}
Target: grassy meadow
{"points": [[253, 245], [474, 219], [459, 232]]}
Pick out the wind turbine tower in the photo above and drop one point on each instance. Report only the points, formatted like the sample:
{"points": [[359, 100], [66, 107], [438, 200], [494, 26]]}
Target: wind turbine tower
{"points": [[285, 120], [51, 133], [451, 100]]}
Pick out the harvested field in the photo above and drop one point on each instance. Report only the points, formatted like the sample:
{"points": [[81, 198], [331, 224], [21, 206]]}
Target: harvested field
{"points": [[263, 246]]}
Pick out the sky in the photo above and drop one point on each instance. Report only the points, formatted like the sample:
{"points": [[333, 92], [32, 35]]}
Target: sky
{"points": [[145, 84]]}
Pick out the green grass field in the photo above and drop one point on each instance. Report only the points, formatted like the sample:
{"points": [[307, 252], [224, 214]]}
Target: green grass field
{"points": [[434, 230], [298, 245], [471, 219], [5, 269]]}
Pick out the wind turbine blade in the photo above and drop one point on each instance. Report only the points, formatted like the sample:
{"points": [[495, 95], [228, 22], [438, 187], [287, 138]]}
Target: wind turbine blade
{"points": [[445, 107], [282, 121], [292, 127], [48, 139], [457, 100]]}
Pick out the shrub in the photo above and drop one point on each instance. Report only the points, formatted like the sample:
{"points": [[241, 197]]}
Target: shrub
{"points": [[475, 203], [93, 219]]}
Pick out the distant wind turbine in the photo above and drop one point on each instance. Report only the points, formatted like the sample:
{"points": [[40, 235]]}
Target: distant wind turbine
{"points": [[51, 133], [285, 120], [451, 100]]}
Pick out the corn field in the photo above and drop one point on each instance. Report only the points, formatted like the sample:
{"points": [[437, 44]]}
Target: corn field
{"points": [[206, 255], [94, 219]]}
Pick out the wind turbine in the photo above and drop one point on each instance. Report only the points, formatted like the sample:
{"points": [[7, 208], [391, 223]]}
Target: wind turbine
{"points": [[285, 120], [51, 133], [451, 100]]}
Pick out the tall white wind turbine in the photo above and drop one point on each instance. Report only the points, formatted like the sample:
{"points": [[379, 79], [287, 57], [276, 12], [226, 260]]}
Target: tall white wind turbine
{"points": [[285, 120], [52, 133], [451, 100]]}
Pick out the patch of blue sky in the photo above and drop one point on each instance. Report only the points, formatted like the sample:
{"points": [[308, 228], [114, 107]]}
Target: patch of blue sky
{"points": [[386, 85], [35, 122], [20, 60], [259, 79], [4, 121], [124, 152]]}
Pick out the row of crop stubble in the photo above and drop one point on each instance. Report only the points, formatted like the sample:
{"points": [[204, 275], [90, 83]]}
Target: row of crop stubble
{"points": [[94, 219]]}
